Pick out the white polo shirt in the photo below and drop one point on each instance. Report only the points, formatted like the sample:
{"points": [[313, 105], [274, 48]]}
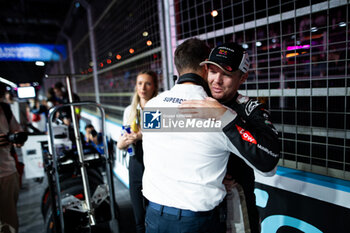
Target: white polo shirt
{"points": [[185, 170]]}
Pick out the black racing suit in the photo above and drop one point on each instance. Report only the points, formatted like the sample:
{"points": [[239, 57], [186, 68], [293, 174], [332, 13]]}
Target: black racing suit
{"points": [[251, 132], [259, 131]]}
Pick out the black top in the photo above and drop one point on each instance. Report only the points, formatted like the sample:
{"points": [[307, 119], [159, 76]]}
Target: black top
{"points": [[196, 79]]}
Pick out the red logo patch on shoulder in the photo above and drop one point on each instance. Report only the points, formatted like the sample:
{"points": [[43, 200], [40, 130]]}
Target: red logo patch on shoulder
{"points": [[246, 136]]}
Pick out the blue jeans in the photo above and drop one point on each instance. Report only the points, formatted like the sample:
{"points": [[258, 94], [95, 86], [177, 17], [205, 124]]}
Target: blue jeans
{"points": [[158, 221]]}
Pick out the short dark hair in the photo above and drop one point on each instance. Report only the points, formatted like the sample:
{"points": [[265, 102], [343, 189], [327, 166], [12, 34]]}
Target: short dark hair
{"points": [[59, 85], [89, 126], [190, 53]]}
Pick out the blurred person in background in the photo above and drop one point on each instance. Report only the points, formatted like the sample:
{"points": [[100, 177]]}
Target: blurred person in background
{"points": [[145, 89], [51, 99], [88, 129], [9, 178], [37, 114], [18, 108], [94, 139], [61, 94]]}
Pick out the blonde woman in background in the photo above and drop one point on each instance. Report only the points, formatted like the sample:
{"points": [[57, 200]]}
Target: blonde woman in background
{"points": [[145, 89]]}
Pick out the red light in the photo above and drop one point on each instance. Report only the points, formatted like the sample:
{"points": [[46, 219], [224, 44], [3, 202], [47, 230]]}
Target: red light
{"points": [[149, 43], [131, 50], [118, 57], [101, 64], [155, 56], [109, 61], [90, 70]]}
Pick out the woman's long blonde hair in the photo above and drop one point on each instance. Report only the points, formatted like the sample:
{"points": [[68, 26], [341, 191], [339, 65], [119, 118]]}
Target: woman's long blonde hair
{"points": [[134, 114]]}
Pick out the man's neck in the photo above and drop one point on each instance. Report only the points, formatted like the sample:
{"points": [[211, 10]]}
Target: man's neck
{"points": [[230, 101], [194, 79], [190, 78], [191, 71], [188, 83]]}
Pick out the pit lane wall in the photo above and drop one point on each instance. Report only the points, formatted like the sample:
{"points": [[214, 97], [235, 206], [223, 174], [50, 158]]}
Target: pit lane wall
{"points": [[290, 201], [295, 200]]}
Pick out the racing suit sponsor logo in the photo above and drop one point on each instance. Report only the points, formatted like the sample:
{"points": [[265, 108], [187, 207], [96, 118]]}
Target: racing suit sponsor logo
{"points": [[250, 106], [267, 151], [246, 136]]}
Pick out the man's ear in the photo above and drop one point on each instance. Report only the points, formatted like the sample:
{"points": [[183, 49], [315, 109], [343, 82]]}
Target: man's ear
{"points": [[204, 73], [244, 78]]}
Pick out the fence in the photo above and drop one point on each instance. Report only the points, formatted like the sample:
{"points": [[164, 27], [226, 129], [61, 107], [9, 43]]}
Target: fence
{"points": [[299, 53]]}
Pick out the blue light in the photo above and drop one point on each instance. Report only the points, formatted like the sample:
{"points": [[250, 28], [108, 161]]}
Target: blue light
{"points": [[32, 52]]}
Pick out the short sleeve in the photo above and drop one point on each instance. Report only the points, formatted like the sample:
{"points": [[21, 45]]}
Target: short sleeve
{"points": [[126, 114]]}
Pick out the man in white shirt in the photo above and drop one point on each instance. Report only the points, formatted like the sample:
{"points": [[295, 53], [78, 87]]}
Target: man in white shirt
{"points": [[184, 171]]}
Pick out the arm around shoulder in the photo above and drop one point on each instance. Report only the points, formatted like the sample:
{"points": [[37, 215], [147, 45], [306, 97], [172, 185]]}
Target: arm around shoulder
{"points": [[255, 137]]}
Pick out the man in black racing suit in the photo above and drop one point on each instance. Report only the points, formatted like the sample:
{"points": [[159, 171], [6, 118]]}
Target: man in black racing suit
{"points": [[256, 136], [252, 132]]}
